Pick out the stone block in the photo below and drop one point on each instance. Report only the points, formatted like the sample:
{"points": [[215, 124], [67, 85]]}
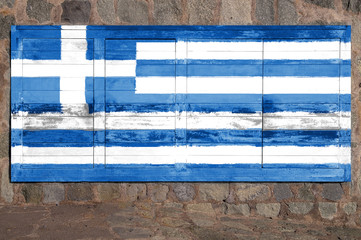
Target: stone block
{"points": [[327, 210], [236, 12], [282, 191], [53, 193], [305, 193], [245, 191], [39, 10], [158, 192], [133, 11], [133, 232], [201, 12], [287, 14], [32, 193], [76, 12], [352, 5], [5, 25], [332, 191], [167, 12], [80, 192], [184, 191], [213, 191], [108, 191], [6, 188], [265, 11], [268, 209], [136, 191], [300, 207], [106, 11], [350, 208], [7, 3], [201, 214], [4, 144], [237, 209], [323, 3]]}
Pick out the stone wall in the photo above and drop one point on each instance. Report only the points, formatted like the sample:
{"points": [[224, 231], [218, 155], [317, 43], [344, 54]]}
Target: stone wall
{"points": [[200, 202]]}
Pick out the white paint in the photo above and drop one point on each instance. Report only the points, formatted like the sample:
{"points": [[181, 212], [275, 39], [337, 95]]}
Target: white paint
{"points": [[42, 123], [221, 46], [155, 85], [224, 122], [291, 85], [120, 68], [181, 84], [225, 55], [290, 46], [72, 84], [325, 123], [56, 70], [140, 123], [67, 97], [304, 151], [345, 85], [181, 50]]}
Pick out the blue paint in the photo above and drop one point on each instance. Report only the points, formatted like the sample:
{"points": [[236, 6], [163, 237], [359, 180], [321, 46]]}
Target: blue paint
{"points": [[56, 136], [306, 98], [177, 172], [41, 97], [304, 70], [311, 108], [41, 83]]}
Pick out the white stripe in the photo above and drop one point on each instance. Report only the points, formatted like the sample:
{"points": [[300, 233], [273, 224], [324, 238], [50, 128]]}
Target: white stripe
{"points": [[140, 123], [315, 46], [119, 68], [41, 123], [224, 55], [305, 151], [56, 151], [57, 70], [290, 85], [67, 97], [156, 50], [72, 84], [302, 159], [345, 85], [302, 55], [155, 85], [52, 160], [224, 122], [271, 123], [235, 46]]}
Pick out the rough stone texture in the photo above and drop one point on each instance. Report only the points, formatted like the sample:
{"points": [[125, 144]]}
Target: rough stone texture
{"points": [[352, 5], [300, 207], [239, 209], [158, 192], [76, 12], [201, 12], [287, 14], [39, 10], [213, 191], [53, 193], [236, 12], [350, 208], [133, 11], [201, 214], [167, 11], [258, 192], [6, 188], [136, 191], [80, 192], [265, 11], [5, 25], [268, 209], [327, 210], [332, 191], [4, 144], [32, 193], [106, 11], [323, 3], [282, 191], [108, 191], [184, 191], [7, 3], [305, 193]]}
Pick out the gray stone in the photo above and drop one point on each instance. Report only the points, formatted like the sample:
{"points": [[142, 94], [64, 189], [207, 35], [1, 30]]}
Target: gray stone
{"points": [[39, 10], [7, 192], [201, 11], [108, 191], [136, 191], [133, 11], [300, 207], [305, 193], [184, 191], [323, 3], [268, 209], [106, 11], [282, 191], [4, 144], [287, 14], [201, 214], [352, 5], [327, 210], [80, 192], [239, 209], [32, 192], [7, 3], [332, 191], [236, 12], [53, 193], [213, 191], [76, 12], [350, 208], [167, 11], [245, 191], [158, 192], [265, 11], [132, 232], [5, 25]]}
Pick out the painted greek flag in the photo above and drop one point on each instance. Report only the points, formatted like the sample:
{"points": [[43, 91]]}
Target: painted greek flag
{"points": [[180, 103]]}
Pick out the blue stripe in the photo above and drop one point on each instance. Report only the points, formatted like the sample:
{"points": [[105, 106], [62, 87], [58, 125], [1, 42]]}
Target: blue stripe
{"points": [[306, 98], [36, 108], [41, 83], [304, 71], [311, 108], [41, 97], [42, 55], [176, 172]]}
